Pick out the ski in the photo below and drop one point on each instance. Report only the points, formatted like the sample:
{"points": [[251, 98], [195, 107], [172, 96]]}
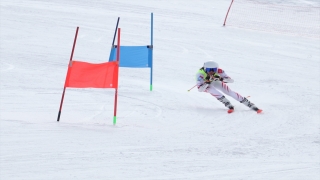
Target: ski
{"points": [[257, 110], [230, 111]]}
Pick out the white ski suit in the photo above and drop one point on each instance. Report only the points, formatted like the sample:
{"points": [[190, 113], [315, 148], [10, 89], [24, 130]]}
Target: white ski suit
{"points": [[214, 86]]}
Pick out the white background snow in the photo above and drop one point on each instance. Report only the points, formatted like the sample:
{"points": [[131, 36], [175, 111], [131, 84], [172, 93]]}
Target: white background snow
{"points": [[168, 133]]}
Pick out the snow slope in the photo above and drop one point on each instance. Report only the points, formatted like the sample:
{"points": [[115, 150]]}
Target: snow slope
{"points": [[168, 133]]}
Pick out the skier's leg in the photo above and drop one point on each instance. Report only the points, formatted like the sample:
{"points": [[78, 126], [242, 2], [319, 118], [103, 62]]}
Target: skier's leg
{"points": [[246, 102], [225, 89], [214, 92]]}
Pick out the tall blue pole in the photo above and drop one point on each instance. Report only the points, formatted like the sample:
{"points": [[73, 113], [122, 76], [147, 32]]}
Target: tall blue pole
{"points": [[151, 69]]}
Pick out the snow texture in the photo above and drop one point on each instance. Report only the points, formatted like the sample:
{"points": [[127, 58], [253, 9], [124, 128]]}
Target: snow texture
{"points": [[164, 134]]}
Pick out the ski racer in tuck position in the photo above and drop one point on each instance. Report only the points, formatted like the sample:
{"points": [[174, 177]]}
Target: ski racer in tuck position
{"points": [[210, 79]]}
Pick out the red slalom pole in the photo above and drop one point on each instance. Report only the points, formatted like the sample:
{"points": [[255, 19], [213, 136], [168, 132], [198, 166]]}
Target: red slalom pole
{"points": [[116, 90], [225, 19], [64, 89]]}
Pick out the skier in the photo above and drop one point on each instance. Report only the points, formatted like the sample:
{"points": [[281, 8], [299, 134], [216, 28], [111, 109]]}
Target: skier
{"points": [[210, 79]]}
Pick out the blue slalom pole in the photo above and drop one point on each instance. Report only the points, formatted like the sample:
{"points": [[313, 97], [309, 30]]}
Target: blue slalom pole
{"points": [[114, 37], [115, 33]]}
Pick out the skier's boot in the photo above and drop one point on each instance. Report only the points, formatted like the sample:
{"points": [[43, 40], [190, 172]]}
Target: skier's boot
{"points": [[227, 103], [246, 102]]}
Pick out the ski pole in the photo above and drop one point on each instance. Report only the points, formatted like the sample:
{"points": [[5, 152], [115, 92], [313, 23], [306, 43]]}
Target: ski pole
{"points": [[192, 88]]}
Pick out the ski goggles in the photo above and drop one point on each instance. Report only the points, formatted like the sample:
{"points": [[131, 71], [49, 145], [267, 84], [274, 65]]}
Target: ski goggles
{"points": [[211, 69]]}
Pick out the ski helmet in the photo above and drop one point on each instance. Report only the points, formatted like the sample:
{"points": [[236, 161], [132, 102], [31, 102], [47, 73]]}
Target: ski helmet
{"points": [[210, 66]]}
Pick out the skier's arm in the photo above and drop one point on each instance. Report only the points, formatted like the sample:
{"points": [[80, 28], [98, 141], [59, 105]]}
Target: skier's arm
{"points": [[200, 79], [202, 83], [224, 76]]}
